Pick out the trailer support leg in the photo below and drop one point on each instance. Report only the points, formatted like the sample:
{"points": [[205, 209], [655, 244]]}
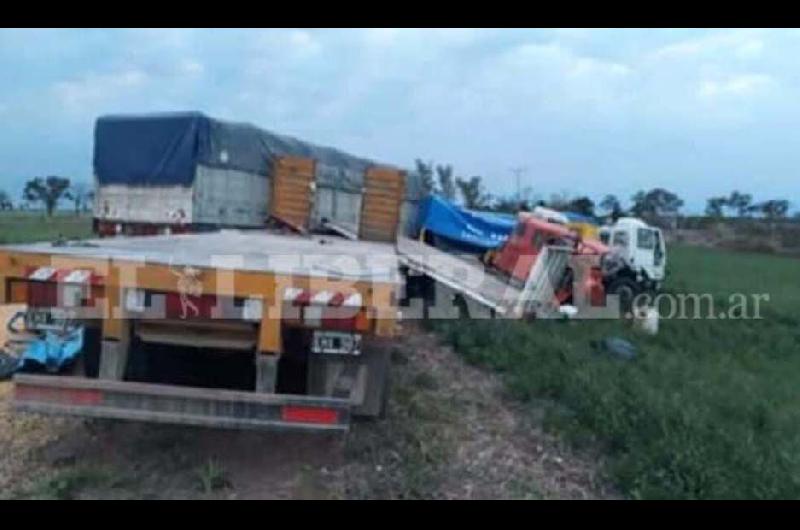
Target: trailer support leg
{"points": [[266, 372], [113, 359]]}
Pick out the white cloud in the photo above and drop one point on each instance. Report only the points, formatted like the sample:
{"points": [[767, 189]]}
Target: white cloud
{"points": [[737, 85], [92, 91], [191, 67], [303, 43], [551, 76], [742, 44], [750, 49]]}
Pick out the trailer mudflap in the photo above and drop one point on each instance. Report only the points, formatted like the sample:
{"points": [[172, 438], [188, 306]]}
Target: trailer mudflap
{"points": [[100, 398]]}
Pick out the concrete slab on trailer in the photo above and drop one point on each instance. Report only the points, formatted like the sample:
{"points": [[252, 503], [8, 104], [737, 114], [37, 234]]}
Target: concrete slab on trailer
{"points": [[242, 250], [466, 276]]}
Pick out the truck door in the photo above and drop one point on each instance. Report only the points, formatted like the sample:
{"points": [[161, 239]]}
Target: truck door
{"points": [[648, 252]]}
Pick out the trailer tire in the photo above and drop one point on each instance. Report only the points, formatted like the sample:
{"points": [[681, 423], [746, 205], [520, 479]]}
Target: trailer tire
{"points": [[90, 356], [627, 289]]}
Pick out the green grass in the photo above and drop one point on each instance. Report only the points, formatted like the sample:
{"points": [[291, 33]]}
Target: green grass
{"points": [[67, 484], [25, 227], [708, 409]]}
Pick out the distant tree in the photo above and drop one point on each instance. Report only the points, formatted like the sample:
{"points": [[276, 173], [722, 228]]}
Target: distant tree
{"points": [[611, 205], [582, 205], [656, 204], [425, 172], [740, 203], [558, 201], [48, 191], [511, 204], [774, 208], [447, 186], [473, 193], [81, 195], [715, 206], [5, 201]]}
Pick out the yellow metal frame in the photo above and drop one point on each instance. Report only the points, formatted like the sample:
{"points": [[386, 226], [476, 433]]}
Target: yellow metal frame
{"points": [[379, 298]]}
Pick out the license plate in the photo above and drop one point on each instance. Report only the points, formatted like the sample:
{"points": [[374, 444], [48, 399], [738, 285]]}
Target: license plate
{"points": [[336, 342]]}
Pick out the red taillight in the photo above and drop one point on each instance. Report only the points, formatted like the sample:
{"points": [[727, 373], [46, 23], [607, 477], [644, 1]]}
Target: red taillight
{"points": [[64, 396], [300, 414]]}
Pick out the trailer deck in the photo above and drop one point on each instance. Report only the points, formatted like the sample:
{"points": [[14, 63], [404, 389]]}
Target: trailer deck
{"points": [[467, 277], [239, 250]]}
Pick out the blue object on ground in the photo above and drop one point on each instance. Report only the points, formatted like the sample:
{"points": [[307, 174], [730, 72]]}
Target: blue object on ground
{"points": [[470, 230], [616, 347], [54, 351]]}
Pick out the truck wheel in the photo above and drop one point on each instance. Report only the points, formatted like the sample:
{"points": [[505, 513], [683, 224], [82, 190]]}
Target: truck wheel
{"points": [[626, 289]]}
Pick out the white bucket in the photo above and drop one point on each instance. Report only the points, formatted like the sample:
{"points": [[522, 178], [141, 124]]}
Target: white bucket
{"points": [[646, 319]]}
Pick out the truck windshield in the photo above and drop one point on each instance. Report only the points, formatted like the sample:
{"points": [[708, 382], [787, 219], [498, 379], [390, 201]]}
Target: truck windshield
{"points": [[620, 239]]}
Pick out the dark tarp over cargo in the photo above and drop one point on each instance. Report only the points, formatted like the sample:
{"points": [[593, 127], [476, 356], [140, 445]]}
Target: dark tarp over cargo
{"points": [[164, 150]]}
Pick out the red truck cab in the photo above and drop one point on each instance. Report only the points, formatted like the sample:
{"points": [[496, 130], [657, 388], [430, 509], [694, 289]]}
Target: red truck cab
{"points": [[518, 255]]}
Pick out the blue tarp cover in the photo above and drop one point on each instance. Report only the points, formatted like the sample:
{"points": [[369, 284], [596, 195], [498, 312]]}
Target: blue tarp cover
{"points": [[467, 228], [164, 149], [54, 351]]}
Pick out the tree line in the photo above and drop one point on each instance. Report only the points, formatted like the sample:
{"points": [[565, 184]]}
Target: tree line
{"points": [[48, 192], [653, 205]]}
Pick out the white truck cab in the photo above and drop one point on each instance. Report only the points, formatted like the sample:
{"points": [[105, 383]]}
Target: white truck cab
{"points": [[638, 259]]}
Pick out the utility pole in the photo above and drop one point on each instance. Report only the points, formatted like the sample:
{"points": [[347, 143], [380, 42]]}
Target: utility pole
{"points": [[518, 172]]}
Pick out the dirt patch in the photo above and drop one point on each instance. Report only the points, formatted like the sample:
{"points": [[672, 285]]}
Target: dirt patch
{"points": [[450, 433]]}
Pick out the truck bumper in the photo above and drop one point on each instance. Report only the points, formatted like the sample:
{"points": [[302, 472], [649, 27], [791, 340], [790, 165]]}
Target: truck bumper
{"points": [[226, 409]]}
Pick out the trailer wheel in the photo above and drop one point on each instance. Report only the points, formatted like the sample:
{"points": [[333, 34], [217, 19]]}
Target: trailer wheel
{"points": [[626, 289]]}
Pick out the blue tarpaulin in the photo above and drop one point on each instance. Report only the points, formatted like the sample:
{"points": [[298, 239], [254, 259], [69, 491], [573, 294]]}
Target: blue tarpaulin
{"points": [[53, 351], [165, 149], [467, 229]]}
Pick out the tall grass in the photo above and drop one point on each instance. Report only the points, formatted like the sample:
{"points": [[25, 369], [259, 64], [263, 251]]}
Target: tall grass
{"points": [[708, 408], [24, 227]]}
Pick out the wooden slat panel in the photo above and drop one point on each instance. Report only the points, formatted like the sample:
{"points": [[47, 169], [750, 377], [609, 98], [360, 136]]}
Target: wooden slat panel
{"points": [[383, 198], [291, 189]]}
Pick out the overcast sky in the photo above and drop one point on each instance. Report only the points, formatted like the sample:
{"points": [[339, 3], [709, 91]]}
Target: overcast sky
{"points": [[700, 112]]}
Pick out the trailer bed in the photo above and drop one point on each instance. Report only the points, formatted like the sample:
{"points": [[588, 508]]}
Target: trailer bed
{"points": [[466, 276], [241, 250]]}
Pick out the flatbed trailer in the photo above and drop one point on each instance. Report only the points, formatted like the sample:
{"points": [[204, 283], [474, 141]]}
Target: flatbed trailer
{"points": [[469, 278], [325, 304]]}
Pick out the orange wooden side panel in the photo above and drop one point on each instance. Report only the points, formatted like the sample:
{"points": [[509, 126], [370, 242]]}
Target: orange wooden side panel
{"points": [[292, 190], [384, 190]]}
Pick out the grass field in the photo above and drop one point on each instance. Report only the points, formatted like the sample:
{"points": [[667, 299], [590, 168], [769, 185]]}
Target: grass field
{"points": [[708, 408], [23, 227]]}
